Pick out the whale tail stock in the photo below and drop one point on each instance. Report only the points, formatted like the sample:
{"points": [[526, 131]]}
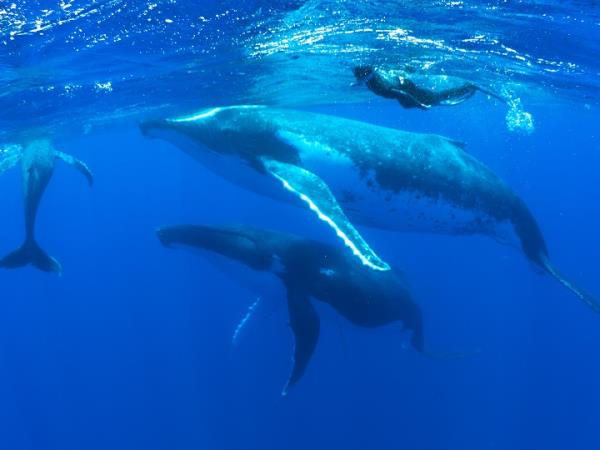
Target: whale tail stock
{"points": [[534, 247], [31, 253], [580, 293], [418, 343]]}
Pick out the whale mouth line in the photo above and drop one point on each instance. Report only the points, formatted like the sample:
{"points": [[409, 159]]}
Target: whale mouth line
{"points": [[198, 116], [211, 112]]}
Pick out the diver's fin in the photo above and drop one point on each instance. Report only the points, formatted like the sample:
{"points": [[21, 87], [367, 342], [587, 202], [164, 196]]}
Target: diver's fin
{"points": [[492, 94], [9, 161], [31, 253], [313, 191], [305, 325], [455, 101], [468, 91], [581, 294], [412, 98], [77, 164]]}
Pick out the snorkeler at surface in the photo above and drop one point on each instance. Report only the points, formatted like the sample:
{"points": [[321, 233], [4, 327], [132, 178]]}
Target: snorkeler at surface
{"points": [[414, 90]]}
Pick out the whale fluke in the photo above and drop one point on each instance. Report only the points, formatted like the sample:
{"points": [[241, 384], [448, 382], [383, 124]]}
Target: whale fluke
{"points": [[31, 253], [581, 294]]}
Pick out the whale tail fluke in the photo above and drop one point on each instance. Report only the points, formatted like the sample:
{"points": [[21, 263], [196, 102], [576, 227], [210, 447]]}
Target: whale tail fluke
{"points": [[31, 253], [580, 293]]}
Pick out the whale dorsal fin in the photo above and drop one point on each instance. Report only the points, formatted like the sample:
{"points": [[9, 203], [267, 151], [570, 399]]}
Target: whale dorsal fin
{"points": [[77, 164], [313, 191], [305, 324], [9, 157]]}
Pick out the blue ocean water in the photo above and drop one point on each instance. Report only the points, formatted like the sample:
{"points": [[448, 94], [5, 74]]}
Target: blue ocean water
{"points": [[131, 347]]}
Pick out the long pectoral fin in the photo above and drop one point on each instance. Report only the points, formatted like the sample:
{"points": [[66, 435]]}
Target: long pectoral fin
{"points": [[305, 324], [581, 294], [313, 191], [77, 164]]}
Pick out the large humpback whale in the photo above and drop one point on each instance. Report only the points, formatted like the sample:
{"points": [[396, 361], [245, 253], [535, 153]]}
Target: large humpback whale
{"points": [[310, 269], [414, 90], [377, 176], [37, 161]]}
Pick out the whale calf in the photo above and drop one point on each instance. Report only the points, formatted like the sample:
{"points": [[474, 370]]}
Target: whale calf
{"points": [[309, 269], [37, 160], [414, 90], [349, 172]]}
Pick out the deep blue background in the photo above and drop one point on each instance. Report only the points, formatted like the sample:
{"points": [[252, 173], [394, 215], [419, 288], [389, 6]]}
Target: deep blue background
{"points": [[131, 347]]}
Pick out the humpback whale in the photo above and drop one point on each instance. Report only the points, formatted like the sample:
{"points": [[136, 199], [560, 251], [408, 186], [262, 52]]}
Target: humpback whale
{"points": [[309, 269], [37, 161], [413, 90], [347, 170]]}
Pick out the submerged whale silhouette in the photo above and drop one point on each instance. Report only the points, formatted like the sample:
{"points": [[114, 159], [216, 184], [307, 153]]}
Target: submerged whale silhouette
{"points": [[310, 269], [37, 161], [377, 176]]}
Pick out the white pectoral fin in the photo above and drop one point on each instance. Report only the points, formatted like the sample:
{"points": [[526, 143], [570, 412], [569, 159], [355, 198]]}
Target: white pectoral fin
{"points": [[10, 156], [77, 164], [9, 162], [313, 191]]}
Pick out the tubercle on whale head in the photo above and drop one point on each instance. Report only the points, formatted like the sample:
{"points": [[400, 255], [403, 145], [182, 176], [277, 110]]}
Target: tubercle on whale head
{"points": [[174, 131], [229, 241], [361, 73], [164, 236], [149, 127]]}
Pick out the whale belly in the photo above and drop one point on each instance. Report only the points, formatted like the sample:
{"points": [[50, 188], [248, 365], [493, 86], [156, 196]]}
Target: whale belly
{"points": [[412, 211], [367, 203]]}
